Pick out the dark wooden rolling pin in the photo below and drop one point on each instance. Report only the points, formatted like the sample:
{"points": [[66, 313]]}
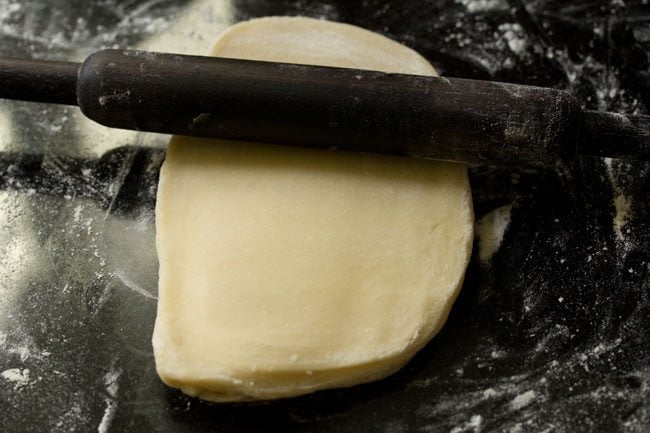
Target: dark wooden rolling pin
{"points": [[423, 117]]}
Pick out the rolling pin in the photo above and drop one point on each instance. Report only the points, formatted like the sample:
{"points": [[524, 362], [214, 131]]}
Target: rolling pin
{"points": [[438, 118]]}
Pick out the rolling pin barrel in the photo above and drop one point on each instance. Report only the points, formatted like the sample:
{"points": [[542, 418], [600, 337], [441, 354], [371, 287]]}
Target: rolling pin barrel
{"points": [[424, 117]]}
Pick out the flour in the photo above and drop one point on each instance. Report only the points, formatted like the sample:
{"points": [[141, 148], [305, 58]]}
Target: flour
{"points": [[515, 37], [69, 420], [522, 400], [490, 392], [6, 129], [121, 276], [18, 21], [589, 71], [474, 424], [498, 47], [8, 11], [115, 98], [474, 6], [112, 387], [78, 36], [21, 346], [18, 377], [622, 203], [490, 231], [512, 392]]}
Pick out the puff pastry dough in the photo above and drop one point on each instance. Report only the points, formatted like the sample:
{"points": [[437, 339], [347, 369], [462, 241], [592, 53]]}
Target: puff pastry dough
{"points": [[286, 270]]}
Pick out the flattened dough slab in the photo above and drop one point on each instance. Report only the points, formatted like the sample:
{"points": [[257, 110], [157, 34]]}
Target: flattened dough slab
{"points": [[284, 270]]}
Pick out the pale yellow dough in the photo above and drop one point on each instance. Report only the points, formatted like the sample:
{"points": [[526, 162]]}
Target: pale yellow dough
{"points": [[285, 270]]}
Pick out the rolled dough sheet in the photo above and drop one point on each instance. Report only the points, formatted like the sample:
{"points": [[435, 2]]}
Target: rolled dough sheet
{"points": [[284, 270]]}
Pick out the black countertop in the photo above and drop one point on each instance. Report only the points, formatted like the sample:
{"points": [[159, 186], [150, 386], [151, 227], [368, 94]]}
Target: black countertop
{"points": [[551, 332]]}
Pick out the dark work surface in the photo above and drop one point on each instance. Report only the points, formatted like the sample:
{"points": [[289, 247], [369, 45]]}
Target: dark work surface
{"points": [[551, 332]]}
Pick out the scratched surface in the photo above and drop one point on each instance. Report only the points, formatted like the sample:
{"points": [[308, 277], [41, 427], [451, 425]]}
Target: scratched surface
{"points": [[550, 333]]}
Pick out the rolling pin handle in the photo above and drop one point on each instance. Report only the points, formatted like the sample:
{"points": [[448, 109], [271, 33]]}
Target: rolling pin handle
{"points": [[35, 80]]}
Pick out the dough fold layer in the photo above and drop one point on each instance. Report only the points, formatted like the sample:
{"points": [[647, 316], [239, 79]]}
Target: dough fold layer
{"points": [[287, 270]]}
